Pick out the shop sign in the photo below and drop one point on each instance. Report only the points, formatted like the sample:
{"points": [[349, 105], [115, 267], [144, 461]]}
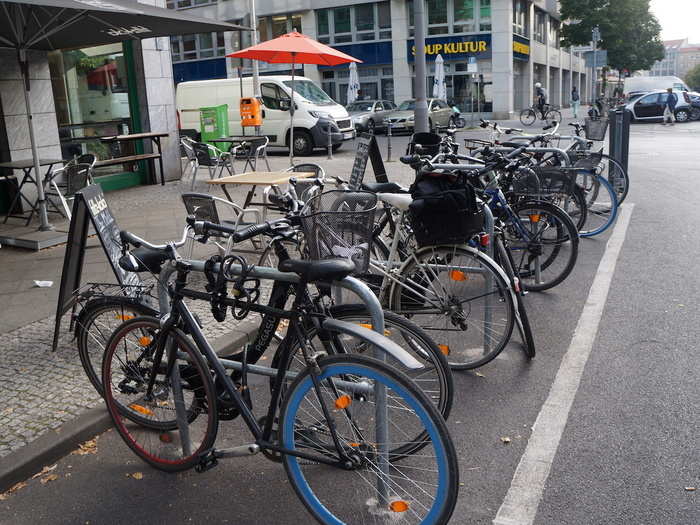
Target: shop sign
{"points": [[453, 47], [521, 48]]}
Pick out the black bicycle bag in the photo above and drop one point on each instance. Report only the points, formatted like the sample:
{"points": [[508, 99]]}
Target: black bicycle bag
{"points": [[445, 209]]}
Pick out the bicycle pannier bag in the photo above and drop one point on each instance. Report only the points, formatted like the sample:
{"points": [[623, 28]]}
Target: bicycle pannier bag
{"points": [[444, 210]]}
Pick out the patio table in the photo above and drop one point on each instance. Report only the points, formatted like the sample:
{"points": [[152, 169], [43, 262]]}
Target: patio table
{"points": [[27, 166], [258, 178]]}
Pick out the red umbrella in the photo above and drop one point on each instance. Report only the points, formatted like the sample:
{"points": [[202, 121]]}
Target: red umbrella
{"points": [[294, 48]]}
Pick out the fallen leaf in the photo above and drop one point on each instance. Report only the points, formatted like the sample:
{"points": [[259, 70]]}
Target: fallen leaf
{"points": [[505, 440], [45, 470], [89, 447], [479, 374], [690, 489], [135, 475], [12, 490], [46, 479]]}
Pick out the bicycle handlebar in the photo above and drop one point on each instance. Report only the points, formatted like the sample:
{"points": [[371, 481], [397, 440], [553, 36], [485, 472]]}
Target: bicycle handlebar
{"points": [[135, 240]]}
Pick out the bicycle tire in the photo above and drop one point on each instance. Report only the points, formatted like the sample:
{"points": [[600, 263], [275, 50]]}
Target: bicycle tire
{"points": [[603, 208], [427, 485], [617, 177], [522, 321], [460, 322], [92, 330], [148, 430], [553, 115], [414, 339], [528, 117], [531, 247]]}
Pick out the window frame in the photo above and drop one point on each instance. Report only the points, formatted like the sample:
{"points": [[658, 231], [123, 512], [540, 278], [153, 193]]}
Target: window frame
{"points": [[200, 53], [479, 24], [377, 33], [539, 32], [175, 4]]}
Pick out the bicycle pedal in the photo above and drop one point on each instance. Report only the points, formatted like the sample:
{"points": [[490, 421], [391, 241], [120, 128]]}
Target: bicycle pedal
{"points": [[207, 461]]}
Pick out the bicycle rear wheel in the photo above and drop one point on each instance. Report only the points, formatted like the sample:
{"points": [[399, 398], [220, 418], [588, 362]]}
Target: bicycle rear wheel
{"points": [[368, 485], [528, 117], [553, 115], [172, 424], [544, 243], [460, 297], [616, 175], [96, 322], [602, 205]]}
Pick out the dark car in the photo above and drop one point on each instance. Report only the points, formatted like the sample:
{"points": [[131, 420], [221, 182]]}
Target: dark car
{"points": [[651, 106]]}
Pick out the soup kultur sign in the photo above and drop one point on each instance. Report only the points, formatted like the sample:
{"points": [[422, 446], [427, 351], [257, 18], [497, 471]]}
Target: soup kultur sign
{"points": [[453, 47]]}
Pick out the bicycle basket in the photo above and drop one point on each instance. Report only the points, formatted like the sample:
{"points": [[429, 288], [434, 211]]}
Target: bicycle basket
{"points": [[586, 160], [543, 182], [595, 129], [339, 223]]}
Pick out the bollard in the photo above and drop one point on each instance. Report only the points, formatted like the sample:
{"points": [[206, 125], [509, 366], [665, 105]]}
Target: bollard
{"points": [[619, 135], [330, 142], [388, 141]]}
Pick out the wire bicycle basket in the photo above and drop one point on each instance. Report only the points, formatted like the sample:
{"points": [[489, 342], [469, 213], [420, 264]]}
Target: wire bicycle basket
{"points": [[595, 128], [587, 160], [339, 223], [543, 182]]}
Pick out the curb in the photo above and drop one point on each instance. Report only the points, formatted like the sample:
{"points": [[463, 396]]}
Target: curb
{"points": [[54, 444]]}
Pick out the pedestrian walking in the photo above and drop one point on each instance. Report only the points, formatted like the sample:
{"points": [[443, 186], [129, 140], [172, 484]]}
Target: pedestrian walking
{"points": [[541, 98], [575, 101], [670, 108]]}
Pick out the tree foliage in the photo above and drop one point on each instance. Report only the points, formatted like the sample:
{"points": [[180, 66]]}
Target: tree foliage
{"points": [[630, 33], [692, 78]]}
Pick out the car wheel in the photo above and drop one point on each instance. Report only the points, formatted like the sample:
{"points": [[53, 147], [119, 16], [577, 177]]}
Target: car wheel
{"points": [[336, 147], [370, 126], [682, 115], [303, 143]]}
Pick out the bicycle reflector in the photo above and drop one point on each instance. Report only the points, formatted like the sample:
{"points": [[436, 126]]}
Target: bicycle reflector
{"points": [[387, 333], [124, 317], [144, 340], [484, 239], [445, 349], [343, 402], [458, 275], [141, 409], [534, 217], [398, 506]]}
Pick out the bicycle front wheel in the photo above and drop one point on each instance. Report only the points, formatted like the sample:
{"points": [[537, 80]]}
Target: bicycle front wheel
{"points": [[366, 484], [553, 115], [460, 297], [602, 209], [170, 423], [617, 176], [528, 117]]}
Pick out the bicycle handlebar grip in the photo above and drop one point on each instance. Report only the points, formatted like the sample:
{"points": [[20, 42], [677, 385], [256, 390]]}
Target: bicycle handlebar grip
{"points": [[250, 232], [409, 159]]}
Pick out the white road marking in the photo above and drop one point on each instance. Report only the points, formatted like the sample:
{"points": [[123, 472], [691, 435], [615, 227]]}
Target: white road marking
{"points": [[520, 504]]}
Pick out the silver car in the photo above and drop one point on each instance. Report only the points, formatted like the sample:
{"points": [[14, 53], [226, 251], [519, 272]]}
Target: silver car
{"points": [[369, 115], [439, 114]]}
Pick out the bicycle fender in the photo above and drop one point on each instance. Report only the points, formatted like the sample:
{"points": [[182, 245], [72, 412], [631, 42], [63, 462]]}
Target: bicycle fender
{"points": [[377, 340]]}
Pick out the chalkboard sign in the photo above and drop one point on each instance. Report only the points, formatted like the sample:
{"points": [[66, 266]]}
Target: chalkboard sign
{"points": [[367, 148], [89, 207]]}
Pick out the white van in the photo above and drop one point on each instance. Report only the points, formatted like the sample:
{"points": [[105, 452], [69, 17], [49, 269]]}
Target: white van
{"points": [[637, 85], [315, 111]]}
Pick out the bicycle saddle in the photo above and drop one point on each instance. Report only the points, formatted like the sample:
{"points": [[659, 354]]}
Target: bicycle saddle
{"points": [[383, 187], [513, 144], [400, 201], [144, 260], [325, 270]]}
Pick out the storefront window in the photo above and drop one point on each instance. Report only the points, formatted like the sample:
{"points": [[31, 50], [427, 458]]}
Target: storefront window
{"points": [[90, 89], [375, 83], [279, 26]]}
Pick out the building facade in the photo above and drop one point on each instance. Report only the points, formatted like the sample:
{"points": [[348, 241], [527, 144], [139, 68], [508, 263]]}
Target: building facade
{"points": [[679, 58], [494, 50]]}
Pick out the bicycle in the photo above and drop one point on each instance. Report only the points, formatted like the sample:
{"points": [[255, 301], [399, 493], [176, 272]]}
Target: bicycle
{"points": [[548, 113], [335, 412]]}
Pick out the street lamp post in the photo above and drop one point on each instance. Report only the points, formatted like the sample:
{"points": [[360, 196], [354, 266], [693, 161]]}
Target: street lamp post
{"points": [[595, 37], [420, 114]]}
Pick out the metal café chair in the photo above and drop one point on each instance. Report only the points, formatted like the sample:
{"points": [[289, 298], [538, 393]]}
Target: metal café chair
{"points": [[250, 151], [204, 207], [303, 186], [213, 158], [74, 177]]}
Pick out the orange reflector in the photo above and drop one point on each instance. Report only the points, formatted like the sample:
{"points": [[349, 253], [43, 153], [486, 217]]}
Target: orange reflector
{"points": [[398, 506], [534, 217], [387, 333], [124, 317], [165, 437], [445, 349], [144, 340], [342, 402], [355, 445], [458, 275], [141, 409]]}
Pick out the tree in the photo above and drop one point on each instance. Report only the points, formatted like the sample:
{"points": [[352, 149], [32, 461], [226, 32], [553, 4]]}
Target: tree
{"points": [[630, 33], [692, 78]]}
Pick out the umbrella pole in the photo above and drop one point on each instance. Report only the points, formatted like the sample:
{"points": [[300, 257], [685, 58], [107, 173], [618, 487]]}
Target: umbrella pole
{"points": [[291, 118], [41, 198]]}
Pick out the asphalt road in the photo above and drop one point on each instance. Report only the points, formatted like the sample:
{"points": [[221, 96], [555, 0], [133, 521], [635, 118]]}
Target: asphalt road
{"points": [[630, 446]]}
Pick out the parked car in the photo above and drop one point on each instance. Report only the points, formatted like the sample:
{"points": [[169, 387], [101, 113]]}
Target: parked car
{"points": [[369, 115], [694, 105], [651, 106], [439, 114], [313, 109]]}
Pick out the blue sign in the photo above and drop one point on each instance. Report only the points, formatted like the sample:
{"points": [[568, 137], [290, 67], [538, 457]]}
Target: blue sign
{"points": [[370, 53], [453, 47], [521, 48]]}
